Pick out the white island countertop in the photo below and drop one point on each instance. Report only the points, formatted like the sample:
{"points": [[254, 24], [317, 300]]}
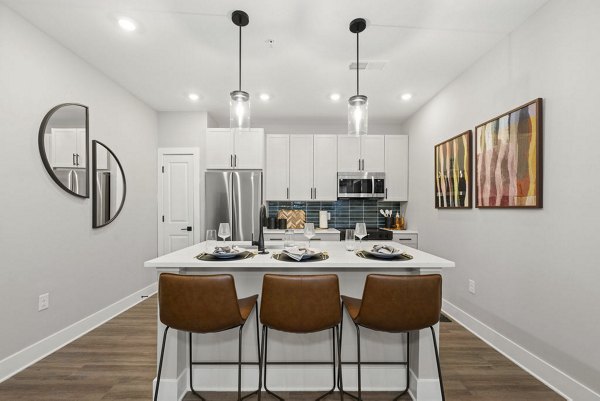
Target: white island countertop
{"points": [[301, 231], [339, 258]]}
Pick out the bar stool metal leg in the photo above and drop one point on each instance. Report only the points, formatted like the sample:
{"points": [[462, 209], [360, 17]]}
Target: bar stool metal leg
{"points": [[407, 366], [437, 359], [191, 370], [265, 348], [240, 398], [160, 363], [334, 367]]}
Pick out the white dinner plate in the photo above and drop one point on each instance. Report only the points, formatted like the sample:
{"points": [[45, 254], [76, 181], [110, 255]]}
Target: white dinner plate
{"points": [[379, 255]]}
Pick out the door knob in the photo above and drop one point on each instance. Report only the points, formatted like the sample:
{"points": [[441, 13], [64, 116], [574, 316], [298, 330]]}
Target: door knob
{"points": [[188, 228]]}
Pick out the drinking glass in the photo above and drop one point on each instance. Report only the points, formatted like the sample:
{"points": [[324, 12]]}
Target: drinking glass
{"points": [[350, 240], [211, 240], [361, 232], [288, 238], [309, 231], [224, 231]]}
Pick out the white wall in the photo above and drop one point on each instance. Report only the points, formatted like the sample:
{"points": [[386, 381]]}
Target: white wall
{"points": [[47, 243], [536, 271]]}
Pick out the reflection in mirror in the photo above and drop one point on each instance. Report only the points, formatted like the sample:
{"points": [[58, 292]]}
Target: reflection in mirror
{"points": [[109, 187], [63, 143]]}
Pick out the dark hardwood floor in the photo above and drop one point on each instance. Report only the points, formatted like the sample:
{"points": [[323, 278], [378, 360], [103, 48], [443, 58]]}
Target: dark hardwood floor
{"points": [[117, 362]]}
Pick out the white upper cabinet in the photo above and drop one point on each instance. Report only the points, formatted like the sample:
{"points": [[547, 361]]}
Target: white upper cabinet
{"points": [[325, 167], [348, 154], [396, 167], [242, 150], [68, 147], [277, 171], [372, 151], [301, 167], [249, 149], [219, 148], [365, 153]]}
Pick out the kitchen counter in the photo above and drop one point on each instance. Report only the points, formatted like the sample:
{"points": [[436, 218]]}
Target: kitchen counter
{"points": [[401, 231], [248, 274]]}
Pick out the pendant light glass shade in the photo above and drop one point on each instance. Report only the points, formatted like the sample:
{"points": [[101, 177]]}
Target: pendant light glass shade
{"points": [[239, 102], [239, 111], [358, 115], [358, 105]]}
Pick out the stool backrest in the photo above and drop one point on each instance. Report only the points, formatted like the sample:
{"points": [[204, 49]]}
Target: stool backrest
{"points": [[400, 303], [198, 304], [300, 303]]}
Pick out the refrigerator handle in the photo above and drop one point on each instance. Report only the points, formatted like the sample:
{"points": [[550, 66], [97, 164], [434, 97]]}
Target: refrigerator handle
{"points": [[76, 182]]}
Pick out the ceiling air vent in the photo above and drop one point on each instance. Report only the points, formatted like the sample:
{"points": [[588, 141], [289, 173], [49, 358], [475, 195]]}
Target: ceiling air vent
{"points": [[368, 65]]}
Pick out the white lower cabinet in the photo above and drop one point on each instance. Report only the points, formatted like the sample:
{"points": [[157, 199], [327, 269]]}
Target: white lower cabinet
{"points": [[299, 238], [408, 239]]}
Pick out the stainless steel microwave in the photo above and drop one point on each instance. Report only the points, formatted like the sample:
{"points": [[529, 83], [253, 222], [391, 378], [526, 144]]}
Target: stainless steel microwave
{"points": [[361, 185]]}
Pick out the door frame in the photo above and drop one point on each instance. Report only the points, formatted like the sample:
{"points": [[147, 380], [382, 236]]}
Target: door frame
{"points": [[195, 153]]}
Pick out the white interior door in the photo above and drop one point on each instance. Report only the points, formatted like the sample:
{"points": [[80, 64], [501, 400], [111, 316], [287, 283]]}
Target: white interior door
{"points": [[178, 199]]}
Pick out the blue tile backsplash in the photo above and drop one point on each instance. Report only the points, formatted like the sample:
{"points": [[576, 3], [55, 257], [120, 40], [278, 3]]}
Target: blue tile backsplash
{"points": [[345, 213]]}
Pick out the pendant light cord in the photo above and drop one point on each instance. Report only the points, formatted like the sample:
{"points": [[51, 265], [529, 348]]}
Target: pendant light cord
{"points": [[240, 60], [357, 66]]}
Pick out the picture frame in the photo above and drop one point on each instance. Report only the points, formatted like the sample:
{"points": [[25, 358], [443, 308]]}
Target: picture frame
{"points": [[453, 172], [508, 159]]}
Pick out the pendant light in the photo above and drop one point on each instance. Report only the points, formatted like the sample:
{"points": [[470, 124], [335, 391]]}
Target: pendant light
{"points": [[358, 116], [239, 104]]}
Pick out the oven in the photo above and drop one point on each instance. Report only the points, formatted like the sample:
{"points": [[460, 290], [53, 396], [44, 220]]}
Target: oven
{"points": [[361, 185]]}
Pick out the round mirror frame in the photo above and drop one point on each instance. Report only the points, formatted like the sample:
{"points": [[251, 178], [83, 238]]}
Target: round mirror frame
{"points": [[42, 148], [94, 187]]}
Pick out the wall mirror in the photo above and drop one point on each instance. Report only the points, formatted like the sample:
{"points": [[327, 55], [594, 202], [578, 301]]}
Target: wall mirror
{"points": [[108, 185], [63, 142]]}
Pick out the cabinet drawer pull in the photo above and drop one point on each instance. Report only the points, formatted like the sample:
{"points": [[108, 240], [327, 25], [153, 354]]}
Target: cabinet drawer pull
{"points": [[275, 239]]}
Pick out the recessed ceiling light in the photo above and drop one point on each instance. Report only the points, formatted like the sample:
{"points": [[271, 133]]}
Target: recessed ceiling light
{"points": [[265, 96], [127, 24], [406, 96], [193, 97], [335, 97]]}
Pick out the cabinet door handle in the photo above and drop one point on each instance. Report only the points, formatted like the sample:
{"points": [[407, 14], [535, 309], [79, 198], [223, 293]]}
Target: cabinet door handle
{"points": [[386, 193], [74, 159], [315, 193], [358, 164], [78, 159], [287, 192], [234, 160], [230, 160]]}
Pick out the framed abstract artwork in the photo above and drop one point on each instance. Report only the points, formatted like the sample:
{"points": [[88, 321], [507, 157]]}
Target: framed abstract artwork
{"points": [[453, 172], [508, 159]]}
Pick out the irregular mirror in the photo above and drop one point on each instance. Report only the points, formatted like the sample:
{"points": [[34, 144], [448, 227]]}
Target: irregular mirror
{"points": [[108, 185], [63, 143]]}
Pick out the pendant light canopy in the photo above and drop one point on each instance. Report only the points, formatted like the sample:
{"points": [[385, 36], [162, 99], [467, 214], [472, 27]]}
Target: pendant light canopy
{"points": [[358, 109], [239, 104]]}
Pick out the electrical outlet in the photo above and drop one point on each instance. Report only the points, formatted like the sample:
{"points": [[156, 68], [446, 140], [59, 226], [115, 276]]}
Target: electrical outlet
{"points": [[44, 302], [472, 286]]}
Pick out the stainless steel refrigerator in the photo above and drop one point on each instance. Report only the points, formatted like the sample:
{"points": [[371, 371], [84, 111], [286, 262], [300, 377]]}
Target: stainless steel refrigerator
{"points": [[234, 197], [74, 179]]}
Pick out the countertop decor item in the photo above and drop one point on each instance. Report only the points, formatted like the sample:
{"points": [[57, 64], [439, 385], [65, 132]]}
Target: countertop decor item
{"points": [[295, 218], [358, 116], [239, 104], [508, 162], [453, 172]]}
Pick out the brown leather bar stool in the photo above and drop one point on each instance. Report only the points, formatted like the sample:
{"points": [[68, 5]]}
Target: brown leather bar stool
{"points": [[204, 304], [397, 304], [301, 304]]}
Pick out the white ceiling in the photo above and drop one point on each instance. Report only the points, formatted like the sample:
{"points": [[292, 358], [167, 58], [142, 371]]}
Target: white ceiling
{"points": [[185, 46]]}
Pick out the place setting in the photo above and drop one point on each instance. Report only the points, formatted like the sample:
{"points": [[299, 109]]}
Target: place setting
{"points": [[225, 252], [296, 253], [376, 251]]}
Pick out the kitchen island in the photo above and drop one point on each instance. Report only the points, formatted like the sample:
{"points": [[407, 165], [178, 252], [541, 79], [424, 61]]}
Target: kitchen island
{"points": [[375, 346]]}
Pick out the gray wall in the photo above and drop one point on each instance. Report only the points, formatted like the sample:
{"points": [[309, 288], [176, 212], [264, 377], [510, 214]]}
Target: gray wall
{"points": [[46, 240], [182, 129], [536, 271]]}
